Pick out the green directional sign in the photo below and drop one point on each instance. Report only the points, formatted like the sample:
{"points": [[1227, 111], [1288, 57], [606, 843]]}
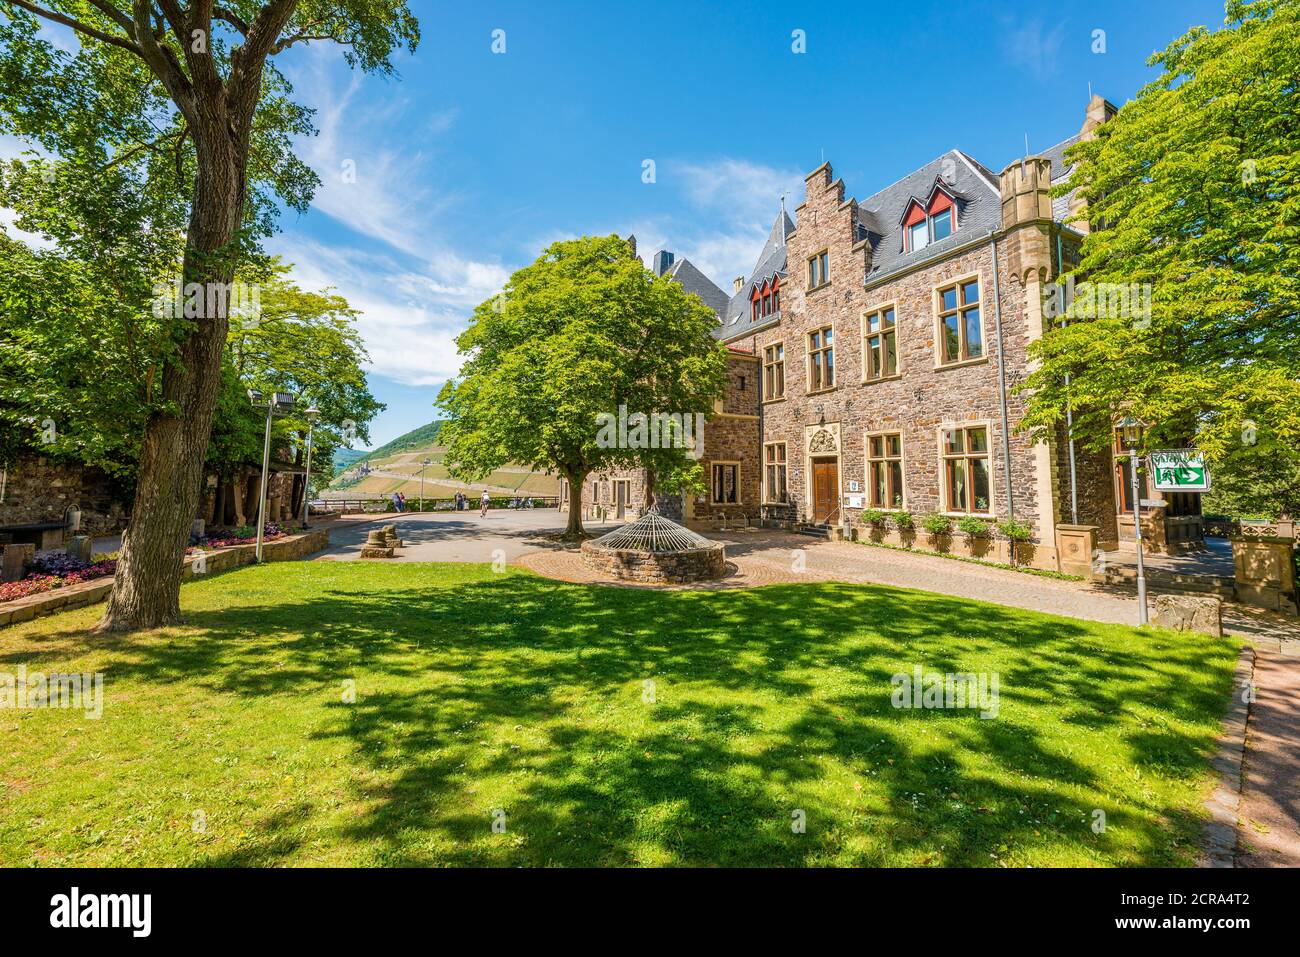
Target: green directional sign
{"points": [[1179, 470]]}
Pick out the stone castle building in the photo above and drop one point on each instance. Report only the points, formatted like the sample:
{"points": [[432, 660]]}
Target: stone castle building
{"points": [[874, 352]]}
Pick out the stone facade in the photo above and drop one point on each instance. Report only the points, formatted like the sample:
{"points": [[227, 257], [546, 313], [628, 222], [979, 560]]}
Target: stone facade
{"points": [[38, 489]]}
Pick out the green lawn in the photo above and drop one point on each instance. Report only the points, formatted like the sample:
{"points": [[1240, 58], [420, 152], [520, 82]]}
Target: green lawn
{"points": [[479, 691]]}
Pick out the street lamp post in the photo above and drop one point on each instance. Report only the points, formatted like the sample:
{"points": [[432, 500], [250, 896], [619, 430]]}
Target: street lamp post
{"points": [[279, 402], [423, 465], [311, 413], [1132, 432]]}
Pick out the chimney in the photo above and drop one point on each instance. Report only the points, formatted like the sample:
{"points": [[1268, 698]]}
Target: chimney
{"points": [[735, 286], [1098, 112], [662, 262]]}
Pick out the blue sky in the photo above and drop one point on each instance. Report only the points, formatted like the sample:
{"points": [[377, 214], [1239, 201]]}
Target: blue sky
{"points": [[470, 162]]}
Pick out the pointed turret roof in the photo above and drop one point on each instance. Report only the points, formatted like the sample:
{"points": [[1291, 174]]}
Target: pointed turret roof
{"points": [[737, 319]]}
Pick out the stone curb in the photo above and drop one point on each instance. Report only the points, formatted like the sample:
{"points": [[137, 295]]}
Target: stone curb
{"points": [[289, 548], [1220, 838]]}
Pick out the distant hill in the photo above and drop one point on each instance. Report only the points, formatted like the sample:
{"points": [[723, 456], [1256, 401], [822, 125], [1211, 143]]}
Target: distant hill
{"points": [[345, 457], [397, 466], [417, 438]]}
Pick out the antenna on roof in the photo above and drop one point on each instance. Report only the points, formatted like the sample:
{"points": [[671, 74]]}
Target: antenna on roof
{"points": [[1026, 144], [1090, 91]]}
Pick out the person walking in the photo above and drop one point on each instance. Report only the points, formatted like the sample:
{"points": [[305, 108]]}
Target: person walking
{"points": [[401, 502], [483, 501]]}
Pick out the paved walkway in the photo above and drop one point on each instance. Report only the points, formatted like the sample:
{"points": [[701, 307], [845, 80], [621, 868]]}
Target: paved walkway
{"points": [[453, 536], [1269, 814]]}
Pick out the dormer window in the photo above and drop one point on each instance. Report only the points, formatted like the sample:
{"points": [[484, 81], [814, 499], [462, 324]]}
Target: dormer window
{"points": [[931, 222], [766, 299]]}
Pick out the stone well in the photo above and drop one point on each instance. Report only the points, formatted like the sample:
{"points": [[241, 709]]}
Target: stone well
{"points": [[655, 550]]}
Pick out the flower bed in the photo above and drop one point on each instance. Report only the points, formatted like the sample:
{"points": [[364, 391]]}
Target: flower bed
{"points": [[243, 535], [49, 572], [55, 571]]}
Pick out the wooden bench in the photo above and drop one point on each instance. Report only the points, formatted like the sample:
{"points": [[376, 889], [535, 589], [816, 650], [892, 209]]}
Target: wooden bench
{"points": [[44, 535]]}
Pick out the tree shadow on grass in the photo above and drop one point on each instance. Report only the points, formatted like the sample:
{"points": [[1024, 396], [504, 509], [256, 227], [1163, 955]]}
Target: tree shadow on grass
{"points": [[768, 702]]}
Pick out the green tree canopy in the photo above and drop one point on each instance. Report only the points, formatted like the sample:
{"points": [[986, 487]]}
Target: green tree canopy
{"points": [[1194, 189], [583, 331]]}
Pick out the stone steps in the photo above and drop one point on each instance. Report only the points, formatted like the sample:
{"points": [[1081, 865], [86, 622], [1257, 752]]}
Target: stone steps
{"points": [[813, 531], [1164, 580]]}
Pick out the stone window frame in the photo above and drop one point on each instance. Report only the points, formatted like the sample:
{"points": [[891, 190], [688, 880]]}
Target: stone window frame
{"points": [[824, 257], [937, 306], [767, 496], [713, 488], [808, 358], [902, 466], [780, 344], [947, 509], [898, 353]]}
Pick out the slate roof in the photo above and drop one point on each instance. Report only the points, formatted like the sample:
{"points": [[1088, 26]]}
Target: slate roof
{"points": [[737, 318], [880, 216], [683, 271]]}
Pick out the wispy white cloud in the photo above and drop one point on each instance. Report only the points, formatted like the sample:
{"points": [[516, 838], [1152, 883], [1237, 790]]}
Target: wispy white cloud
{"points": [[412, 287], [729, 207], [409, 318], [1033, 47], [738, 190]]}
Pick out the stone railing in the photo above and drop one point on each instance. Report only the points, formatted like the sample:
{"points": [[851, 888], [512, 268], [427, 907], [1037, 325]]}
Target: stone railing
{"points": [[200, 564], [1219, 527]]}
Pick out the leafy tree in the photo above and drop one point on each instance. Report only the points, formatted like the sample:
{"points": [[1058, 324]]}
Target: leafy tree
{"points": [[581, 332], [170, 126], [302, 342], [1193, 188], [74, 352]]}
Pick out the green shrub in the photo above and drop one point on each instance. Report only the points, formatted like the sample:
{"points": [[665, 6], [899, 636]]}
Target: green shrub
{"points": [[1015, 531], [903, 521], [973, 527], [873, 517], [937, 524]]}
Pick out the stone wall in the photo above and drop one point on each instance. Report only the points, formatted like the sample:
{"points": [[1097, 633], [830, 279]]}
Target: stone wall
{"points": [[733, 434], [40, 489], [697, 564]]}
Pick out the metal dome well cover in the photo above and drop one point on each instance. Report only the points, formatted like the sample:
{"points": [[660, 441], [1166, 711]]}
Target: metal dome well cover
{"points": [[653, 533]]}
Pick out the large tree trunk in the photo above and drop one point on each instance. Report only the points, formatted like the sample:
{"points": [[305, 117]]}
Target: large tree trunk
{"points": [[574, 529], [146, 588]]}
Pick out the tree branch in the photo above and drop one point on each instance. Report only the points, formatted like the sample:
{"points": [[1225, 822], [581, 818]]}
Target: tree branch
{"points": [[234, 19], [141, 147], [165, 67], [79, 27]]}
